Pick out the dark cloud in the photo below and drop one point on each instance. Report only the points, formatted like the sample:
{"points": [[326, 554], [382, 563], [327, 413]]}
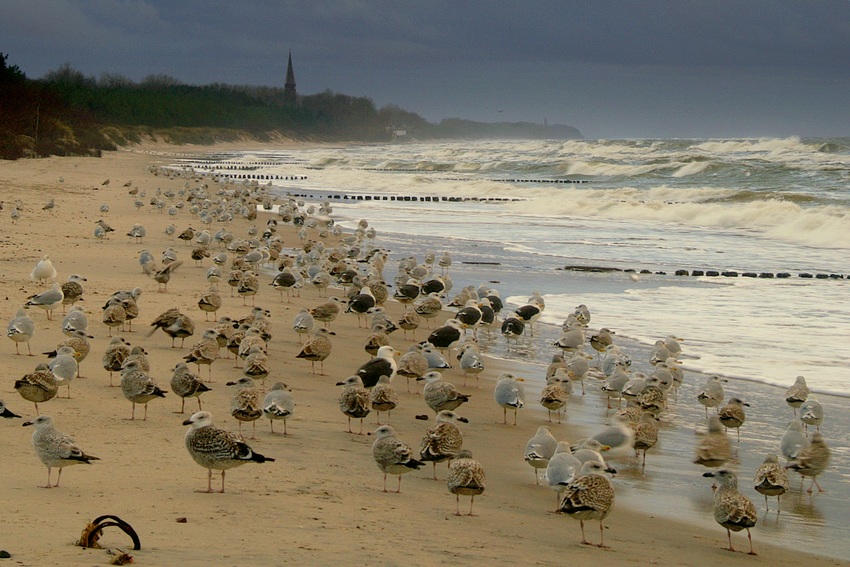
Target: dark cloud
{"points": [[612, 68]]}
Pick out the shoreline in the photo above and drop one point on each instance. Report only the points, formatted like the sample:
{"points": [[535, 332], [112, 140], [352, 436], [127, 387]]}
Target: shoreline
{"points": [[323, 478]]}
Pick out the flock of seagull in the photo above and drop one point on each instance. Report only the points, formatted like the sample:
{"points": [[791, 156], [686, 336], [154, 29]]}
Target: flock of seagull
{"points": [[577, 472]]}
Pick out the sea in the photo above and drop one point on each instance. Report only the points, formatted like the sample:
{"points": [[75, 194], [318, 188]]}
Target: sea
{"points": [[739, 247]]}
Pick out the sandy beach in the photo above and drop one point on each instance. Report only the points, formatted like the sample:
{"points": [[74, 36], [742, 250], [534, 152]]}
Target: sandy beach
{"points": [[321, 502]]}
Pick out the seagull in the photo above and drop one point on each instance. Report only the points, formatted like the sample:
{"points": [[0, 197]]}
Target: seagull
{"points": [[214, 448], [509, 393], [55, 449], [589, 497], [383, 364], [392, 455], [771, 480], [712, 393], [562, 469], [797, 394], [442, 440], [278, 404], [354, 400], [466, 476], [37, 386], [732, 510], [20, 330], [139, 387], [812, 460], [43, 271], [245, 403], [187, 384], [47, 300], [441, 395], [539, 449]]}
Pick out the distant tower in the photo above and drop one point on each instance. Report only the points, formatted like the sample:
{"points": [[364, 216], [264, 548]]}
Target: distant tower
{"points": [[289, 94]]}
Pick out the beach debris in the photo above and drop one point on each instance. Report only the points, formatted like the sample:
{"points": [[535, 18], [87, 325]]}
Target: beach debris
{"points": [[93, 530]]}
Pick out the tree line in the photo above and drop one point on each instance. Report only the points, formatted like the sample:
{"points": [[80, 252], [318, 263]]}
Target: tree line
{"points": [[68, 113]]}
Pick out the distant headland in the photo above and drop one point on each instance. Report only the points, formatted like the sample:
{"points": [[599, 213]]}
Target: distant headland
{"points": [[68, 113]]}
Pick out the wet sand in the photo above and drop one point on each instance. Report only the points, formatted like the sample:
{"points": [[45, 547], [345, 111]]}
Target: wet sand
{"points": [[321, 502]]}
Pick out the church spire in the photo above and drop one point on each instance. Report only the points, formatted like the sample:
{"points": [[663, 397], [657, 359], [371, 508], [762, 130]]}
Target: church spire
{"points": [[289, 93]]}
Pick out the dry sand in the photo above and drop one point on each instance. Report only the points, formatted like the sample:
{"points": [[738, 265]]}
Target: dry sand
{"points": [[321, 502]]}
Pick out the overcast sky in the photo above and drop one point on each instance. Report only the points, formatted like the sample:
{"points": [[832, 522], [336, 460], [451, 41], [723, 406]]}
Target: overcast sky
{"points": [[613, 69]]}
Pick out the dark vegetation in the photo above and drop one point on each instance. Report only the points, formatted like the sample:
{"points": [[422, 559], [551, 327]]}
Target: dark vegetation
{"points": [[68, 113]]}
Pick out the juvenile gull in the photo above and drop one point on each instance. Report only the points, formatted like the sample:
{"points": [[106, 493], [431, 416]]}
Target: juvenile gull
{"points": [[187, 384], [37, 386], [376, 339], [797, 394], [539, 449], [466, 476], [114, 315], [556, 393], [328, 311], [20, 330], [317, 349], [55, 449], [47, 300], [442, 440], [284, 281], [589, 497], [245, 403], [412, 364], [714, 448], [771, 480], [256, 364], [509, 393], [409, 321], [732, 510], [139, 387], [646, 435], [205, 351], [561, 470], [732, 415], [214, 448], [383, 397], [72, 290], [278, 404], [441, 395], [163, 275], [209, 302], [354, 400], [174, 324], [429, 307], [812, 460], [811, 412], [392, 455]]}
